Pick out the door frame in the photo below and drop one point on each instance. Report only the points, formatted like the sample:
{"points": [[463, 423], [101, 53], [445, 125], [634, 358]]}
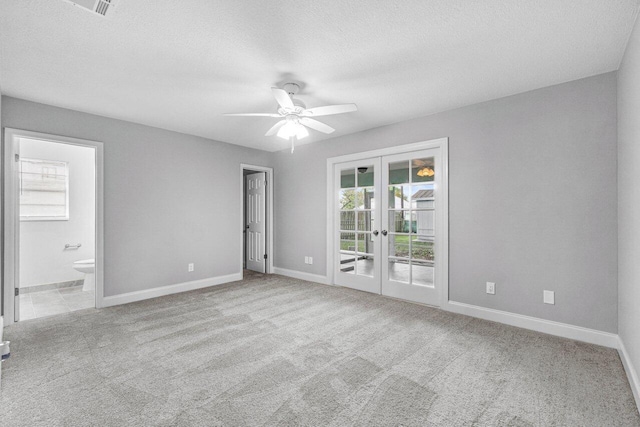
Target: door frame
{"points": [[442, 232], [11, 206], [268, 209]]}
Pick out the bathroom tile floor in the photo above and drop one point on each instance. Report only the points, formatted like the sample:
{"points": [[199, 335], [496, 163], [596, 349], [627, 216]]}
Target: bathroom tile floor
{"points": [[56, 301]]}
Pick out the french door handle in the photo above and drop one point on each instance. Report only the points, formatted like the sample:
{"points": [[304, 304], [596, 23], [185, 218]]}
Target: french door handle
{"points": [[375, 232], [384, 232]]}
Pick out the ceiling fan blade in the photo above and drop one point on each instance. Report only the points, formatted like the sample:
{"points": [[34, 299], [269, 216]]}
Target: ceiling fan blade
{"points": [[314, 124], [275, 128], [282, 97], [252, 114], [330, 109]]}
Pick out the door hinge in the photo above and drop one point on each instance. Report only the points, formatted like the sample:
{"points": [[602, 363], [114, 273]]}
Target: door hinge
{"points": [[17, 291], [17, 157], [265, 256]]}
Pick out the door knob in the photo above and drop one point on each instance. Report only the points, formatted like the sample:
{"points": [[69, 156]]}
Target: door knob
{"points": [[375, 232], [384, 232]]}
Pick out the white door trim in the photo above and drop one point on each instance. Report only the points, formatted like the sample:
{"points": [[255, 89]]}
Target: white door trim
{"points": [[443, 144], [11, 222], [269, 210]]}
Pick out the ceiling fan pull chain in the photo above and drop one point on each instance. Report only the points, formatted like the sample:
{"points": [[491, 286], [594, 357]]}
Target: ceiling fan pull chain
{"points": [[293, 140]]}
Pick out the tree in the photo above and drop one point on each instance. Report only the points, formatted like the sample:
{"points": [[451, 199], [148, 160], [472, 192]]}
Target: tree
{"points": [[349, 199]]}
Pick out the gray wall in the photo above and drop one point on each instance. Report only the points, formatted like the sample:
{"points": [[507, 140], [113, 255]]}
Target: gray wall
{"points": [[533, 201], [169, 198], [629, 199]]}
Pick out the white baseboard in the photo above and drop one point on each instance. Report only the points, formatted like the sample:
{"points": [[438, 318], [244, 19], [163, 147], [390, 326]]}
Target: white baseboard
{"points": [[168, 290], [301, 275], [578, 333], [632, 374]]}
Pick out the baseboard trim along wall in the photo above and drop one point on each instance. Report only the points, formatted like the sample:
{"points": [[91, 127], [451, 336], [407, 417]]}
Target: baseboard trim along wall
{"points": [[550, 327], [169, 289], [632, 374], [309, 277]]}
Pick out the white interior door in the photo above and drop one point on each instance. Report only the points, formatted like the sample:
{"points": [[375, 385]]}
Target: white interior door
{"points": [[357, 215], [256, 224], [412, 215]]}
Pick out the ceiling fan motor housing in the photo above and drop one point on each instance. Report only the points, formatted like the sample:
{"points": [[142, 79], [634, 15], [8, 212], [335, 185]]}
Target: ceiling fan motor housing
{"points": [[291, 88]]}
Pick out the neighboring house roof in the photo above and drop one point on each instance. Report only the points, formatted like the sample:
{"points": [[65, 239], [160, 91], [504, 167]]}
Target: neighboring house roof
{"points": [[423, 194]]}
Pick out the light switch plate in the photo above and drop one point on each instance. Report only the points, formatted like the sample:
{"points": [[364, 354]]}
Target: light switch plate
{"points": [[549, 297]]}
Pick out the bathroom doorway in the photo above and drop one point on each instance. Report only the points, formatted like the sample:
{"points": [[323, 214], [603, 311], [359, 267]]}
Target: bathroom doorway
{"points": [[52, 209]]}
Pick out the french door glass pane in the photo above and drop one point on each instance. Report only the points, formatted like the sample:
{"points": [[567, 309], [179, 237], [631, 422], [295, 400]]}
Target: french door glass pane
{"points": [[365, 220], [401, 222], [422, 170], [422, 248], [347, 220], [363, 198], [347, 242], [347, 178], [399, 196], [399, 245], [365, 243], [399, 270], [399, 172], [425, 222], [422, 196], [365, 265], [347, 199], [422, 273], [365, 176], [346, 263]]}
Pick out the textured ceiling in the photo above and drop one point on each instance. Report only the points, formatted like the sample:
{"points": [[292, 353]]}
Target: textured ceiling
{"points": [[180, 64]]}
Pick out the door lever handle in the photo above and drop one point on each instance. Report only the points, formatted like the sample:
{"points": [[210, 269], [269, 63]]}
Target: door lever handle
{"points": [[384, 232], [375, 232]]}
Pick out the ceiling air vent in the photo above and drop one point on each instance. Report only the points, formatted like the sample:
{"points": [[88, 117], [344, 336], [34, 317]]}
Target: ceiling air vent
{"points": [[101, 7]]}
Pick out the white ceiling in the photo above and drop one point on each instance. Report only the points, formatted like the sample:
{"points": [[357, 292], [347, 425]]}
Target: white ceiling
{"points": [[180, 64]]}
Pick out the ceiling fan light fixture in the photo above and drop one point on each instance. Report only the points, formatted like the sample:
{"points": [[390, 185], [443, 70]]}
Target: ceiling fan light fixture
{"points": [[292, 129]]}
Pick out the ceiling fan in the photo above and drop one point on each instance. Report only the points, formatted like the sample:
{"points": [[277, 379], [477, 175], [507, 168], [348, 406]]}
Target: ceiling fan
{"points": [[295, 116]]}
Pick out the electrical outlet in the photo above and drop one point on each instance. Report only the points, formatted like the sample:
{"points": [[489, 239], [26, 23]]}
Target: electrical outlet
{"points": [[310, 260], [549, 297], [306, 260], [491, 288], [190, 267]]}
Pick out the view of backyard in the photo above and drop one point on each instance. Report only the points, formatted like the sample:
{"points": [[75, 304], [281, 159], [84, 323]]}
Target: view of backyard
{"points": [[398, 245]]}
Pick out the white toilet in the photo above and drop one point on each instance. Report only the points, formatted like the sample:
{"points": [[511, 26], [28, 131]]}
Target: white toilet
{"points": [[88, 267]]}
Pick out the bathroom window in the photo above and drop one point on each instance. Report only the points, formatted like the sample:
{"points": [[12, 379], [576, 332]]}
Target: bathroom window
{"points": [[44, 190]]}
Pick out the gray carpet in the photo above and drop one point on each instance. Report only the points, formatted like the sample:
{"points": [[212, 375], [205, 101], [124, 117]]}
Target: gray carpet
{"points": [[277, 351]]}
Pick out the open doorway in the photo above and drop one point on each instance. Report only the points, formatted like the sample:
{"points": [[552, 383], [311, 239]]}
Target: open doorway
{"points": [[53, 227], [257, 219]]}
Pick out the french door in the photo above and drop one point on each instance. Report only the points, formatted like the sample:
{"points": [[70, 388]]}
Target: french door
{"points": [[388, 214]]}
